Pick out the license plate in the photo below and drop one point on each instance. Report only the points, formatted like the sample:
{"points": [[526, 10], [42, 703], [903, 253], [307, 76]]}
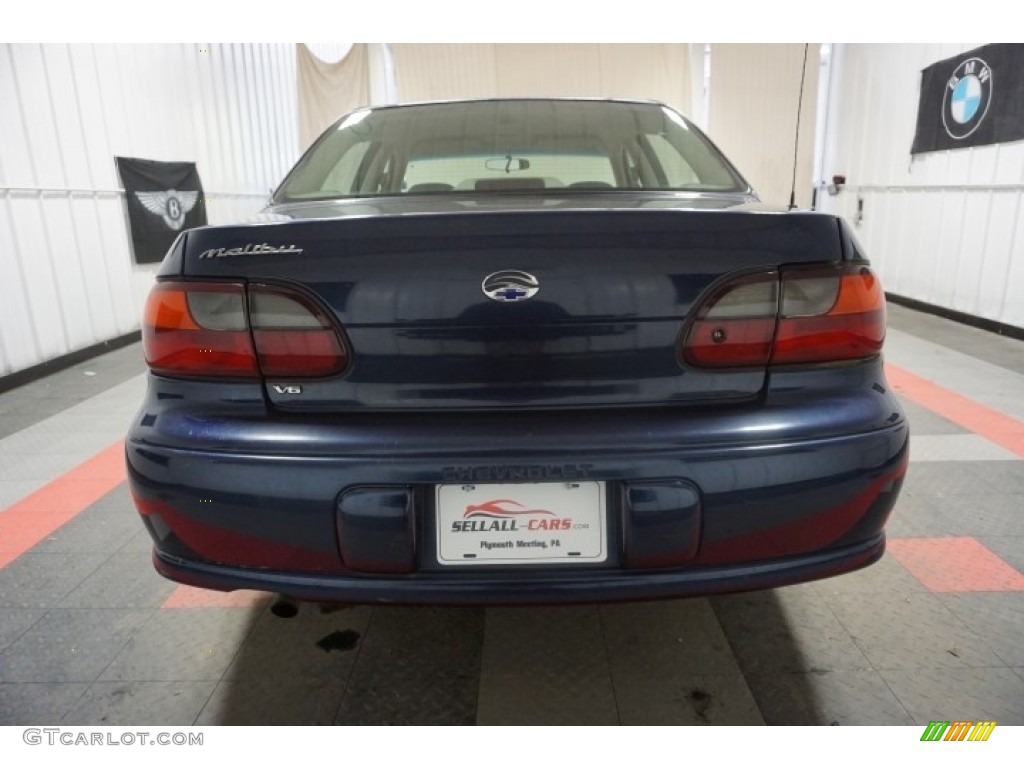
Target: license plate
{"points": [[521, 523]]}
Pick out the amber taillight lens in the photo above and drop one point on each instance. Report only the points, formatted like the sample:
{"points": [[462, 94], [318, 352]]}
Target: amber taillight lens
{"points": [[198, 329]]}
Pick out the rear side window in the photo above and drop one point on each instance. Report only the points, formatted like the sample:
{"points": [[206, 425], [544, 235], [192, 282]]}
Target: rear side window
{"points": [[509, 146], [676, 172]]}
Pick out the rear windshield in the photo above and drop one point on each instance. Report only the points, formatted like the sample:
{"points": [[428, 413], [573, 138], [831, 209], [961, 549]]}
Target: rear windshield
{"points": [[509, 146]]}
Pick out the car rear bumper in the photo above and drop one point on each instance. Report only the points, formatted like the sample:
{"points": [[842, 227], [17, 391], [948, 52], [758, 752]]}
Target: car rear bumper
{"points": [[534, 589], [761, 495]]}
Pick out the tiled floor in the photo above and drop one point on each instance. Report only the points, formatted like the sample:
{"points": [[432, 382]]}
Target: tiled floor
{"points": [[90, 635]]}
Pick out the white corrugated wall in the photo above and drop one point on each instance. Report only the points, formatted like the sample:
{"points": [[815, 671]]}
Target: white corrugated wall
{"points": [[946, 228], [68, 279]]}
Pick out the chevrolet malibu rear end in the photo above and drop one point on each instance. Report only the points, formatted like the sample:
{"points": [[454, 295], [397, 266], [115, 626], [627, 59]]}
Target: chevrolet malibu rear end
{"points": [[515, 351]]}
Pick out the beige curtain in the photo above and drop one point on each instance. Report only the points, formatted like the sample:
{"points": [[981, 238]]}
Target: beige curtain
{"points": [[754, 94], [426, 72], [327, 91]]}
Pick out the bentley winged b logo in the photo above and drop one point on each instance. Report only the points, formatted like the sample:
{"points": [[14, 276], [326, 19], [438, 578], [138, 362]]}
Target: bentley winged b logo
{"points": [[170, 204]]}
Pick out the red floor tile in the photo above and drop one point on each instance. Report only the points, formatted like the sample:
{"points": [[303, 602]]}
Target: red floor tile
{"points": [[956, 564], [989, 423], [192, 597], [27, 522]]}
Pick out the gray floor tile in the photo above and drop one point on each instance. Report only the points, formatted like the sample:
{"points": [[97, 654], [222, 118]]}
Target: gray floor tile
{"points": [[959, 694], [885, 576], [416, 666], [828, 697], [786, 632], [273, 702], [37, 703], [42, 467], [510, 699], [43, 580], [680, 698], [183, 644], [107, 370], [998, 617], [17, 419], [141, 544], [69, 646], [132, 703], [13, 491], [910, 631], [545, 666], [88, 532], [969, 478], [958, 448], [14, 622], [126, 580], [671, 664], [21, 412], [926, 422], [644, 639], [116, 503], [919, 514], [304, 648], [993, 348]]}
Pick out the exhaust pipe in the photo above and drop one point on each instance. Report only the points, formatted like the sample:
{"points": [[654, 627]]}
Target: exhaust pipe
{"points": [[284, 607]]}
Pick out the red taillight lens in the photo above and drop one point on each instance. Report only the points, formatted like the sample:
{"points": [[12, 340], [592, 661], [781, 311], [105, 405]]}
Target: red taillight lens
{"points": [[217, 330], [796, 316], [830, 316], [293, 337], [735, 326], [198, 329]]}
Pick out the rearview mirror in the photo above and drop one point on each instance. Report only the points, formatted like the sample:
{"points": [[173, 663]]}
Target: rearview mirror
{"points": [[507, 164]]}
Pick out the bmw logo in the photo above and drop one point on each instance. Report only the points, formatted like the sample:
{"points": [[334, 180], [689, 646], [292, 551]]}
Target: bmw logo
{"points": [[510, 285], [968, 94]]}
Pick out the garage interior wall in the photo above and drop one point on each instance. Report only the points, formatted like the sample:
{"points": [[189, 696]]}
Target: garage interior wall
{"points": [[68, 110], [754, 92], [941, 227], [639, 71]]}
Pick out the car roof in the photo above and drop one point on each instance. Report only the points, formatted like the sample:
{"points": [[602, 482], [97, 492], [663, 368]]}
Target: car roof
{"points": [[507, 99]]}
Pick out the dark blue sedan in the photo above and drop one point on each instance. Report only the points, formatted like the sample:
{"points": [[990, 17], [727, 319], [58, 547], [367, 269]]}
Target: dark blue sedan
{"points": [[515, 351]]}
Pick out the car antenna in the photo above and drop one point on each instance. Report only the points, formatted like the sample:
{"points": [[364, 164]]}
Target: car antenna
{"points": [[796, 138]]}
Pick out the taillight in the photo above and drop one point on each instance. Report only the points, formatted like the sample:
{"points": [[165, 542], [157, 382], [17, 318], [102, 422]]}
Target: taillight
{"points": [[735, 326], [198, 329], [217, 330], [789, 317], [293, 337], [825, 316]]}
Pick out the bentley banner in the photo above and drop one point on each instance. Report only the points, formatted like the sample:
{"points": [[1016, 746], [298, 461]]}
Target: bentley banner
{"points": [[162, 200], [972, 99]]}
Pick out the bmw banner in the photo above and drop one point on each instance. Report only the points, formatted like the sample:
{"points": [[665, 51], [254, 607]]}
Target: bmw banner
{"points": [[162, 200], [972, 99]]}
